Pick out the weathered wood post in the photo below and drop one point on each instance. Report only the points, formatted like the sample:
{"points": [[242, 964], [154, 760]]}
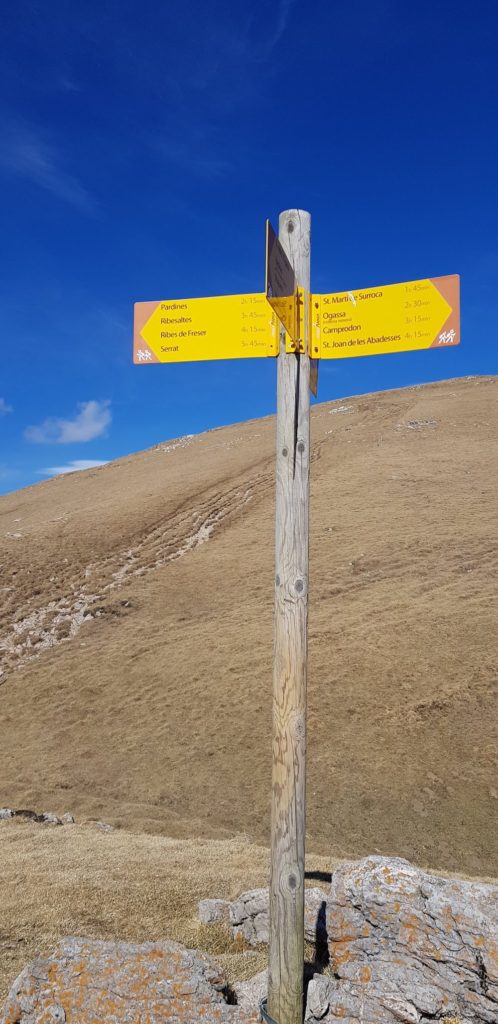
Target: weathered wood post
{"points": [[286, 947]]}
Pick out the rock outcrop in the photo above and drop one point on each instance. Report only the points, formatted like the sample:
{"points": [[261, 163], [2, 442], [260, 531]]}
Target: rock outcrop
{"points": [[248, 916], [87, 982], [405, 946], [45, 818], [397, 946]]}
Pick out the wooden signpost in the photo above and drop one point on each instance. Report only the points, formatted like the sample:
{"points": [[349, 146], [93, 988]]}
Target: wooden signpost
{"points": [[299, 328], [286, 939]]}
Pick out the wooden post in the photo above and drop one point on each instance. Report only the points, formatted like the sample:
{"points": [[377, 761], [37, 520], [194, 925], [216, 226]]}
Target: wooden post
{"points": [[286, 946]]}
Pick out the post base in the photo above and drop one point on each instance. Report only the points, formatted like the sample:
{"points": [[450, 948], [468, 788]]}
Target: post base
{"points": [[264, 1013]]}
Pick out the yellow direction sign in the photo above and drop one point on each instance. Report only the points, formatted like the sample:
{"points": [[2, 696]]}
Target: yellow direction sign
{"points": [[281, 290], [221, 327], [391, 318]]}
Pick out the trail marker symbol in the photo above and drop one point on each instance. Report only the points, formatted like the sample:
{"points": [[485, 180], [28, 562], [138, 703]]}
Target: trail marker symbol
{"points": [[369, 321]]}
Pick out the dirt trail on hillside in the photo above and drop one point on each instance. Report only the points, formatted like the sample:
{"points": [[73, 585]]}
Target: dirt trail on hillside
{"points": [[136, 632]]}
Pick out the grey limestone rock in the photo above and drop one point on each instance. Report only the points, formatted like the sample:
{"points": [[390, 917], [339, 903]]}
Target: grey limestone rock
{"points": [[91, 982], [45, 818], [317, 999], [250, 993], [407, 946], [249, 915], [213, 911], [50, 819]]}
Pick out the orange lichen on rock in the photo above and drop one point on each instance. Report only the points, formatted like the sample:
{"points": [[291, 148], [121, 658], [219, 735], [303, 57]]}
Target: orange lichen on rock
{"points": [[341, 953], [106, 983], [418, 946]]}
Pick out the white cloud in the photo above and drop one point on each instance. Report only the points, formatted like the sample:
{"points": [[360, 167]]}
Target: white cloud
{"points": [[4, 408], [75, 466], [91, 421], [25, 153]]}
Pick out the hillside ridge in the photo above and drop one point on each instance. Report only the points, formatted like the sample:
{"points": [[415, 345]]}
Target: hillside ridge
{"points": [[136, 632]]}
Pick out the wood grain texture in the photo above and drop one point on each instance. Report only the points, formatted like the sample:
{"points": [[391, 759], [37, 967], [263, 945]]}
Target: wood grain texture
{"points": [[286, 947]]}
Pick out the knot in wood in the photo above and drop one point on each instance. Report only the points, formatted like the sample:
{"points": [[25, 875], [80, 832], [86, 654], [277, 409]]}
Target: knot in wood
{"points": [[298, 725], [291, 883]]}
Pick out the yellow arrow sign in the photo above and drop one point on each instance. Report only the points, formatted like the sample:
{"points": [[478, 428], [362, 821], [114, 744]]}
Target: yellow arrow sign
{"points": [[391, 318], [221, 327]]}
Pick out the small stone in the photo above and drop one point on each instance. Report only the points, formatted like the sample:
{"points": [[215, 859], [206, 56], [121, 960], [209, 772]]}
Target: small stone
{"points": [[250, 993], [212, 911], [50, 819], [67, 819], [318, 1002], [5, 812]]}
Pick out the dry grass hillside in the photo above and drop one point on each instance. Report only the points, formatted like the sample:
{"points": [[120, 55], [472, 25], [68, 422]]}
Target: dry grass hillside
{"points": [[136, 633]]}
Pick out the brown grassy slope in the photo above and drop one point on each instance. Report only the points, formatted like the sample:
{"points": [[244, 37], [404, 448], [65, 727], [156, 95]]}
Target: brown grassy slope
{"points": [[156, 714]]}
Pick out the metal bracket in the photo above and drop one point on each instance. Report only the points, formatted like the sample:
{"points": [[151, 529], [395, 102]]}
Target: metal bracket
{"points": [[296, 342], [264, 1012]]}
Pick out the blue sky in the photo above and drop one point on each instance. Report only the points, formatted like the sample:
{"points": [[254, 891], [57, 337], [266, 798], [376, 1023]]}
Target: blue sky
{"points": [[144, 144]]}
